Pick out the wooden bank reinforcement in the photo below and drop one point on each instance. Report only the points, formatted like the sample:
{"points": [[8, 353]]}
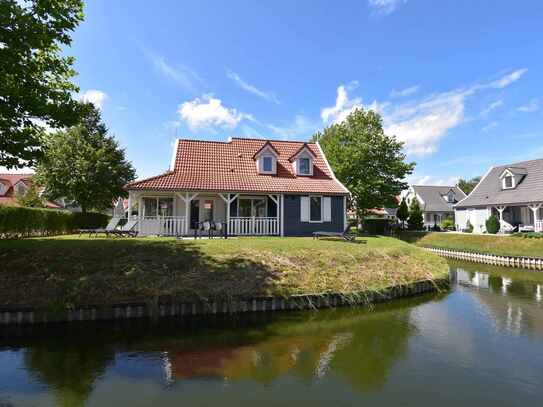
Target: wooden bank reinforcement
{"points": [[27, 315]]}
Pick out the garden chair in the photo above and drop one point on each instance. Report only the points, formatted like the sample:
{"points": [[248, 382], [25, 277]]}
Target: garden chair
{"points": [[128, 230], [345, 235], [111, 226]]}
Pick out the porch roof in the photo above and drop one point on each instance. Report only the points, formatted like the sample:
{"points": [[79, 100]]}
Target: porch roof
{"points": [[230, 167], [489, 191]]}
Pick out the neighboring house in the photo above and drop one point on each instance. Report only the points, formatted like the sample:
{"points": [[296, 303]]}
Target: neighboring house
{"points": [[13, 185], [254, 186], [435, 201], [513, 193]]}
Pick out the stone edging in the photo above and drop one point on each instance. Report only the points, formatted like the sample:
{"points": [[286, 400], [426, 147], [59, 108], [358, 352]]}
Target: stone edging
{"points": [[532, 263], [28, 315]]}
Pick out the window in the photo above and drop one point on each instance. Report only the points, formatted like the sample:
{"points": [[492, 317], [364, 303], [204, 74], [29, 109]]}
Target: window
{"points": [[150, 206], [2, 189], [508, 182], [315, 209], [304, 166], [20, 189], [156, 206], [256, 207], [208, 210], [267, 164]]}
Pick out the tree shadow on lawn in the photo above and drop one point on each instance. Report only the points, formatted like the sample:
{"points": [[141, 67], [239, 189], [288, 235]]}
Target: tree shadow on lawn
{"points": [[103, 271]]}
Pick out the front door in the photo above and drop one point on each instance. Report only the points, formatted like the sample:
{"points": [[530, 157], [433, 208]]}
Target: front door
{"points": [[194, 213]]}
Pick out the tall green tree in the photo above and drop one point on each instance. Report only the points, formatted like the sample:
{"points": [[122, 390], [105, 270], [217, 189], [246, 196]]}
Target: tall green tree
{"points": [[403, 212], [85, 164], [416, 219], [468, 185], [367, 161], [31, 198], [35, 86]]}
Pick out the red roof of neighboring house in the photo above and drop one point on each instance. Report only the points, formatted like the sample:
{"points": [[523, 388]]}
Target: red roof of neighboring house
{"points": [[9, 197], [230, 167]]}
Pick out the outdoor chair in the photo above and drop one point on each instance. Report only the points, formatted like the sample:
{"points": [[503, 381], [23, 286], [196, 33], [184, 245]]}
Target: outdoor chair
{"points": [[345, 235], [217, 227], [204, 227], [111, 226], [128, 230]]}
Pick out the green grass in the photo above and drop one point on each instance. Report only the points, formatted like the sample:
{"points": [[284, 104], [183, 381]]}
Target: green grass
{"points": [[71, 270], [499, 245]]}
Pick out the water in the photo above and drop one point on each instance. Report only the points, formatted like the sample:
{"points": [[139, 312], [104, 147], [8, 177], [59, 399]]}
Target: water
{"points": [[480, 344]]}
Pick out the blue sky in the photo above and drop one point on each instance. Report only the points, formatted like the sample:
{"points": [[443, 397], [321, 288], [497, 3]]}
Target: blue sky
{"points": [[459, 81]]}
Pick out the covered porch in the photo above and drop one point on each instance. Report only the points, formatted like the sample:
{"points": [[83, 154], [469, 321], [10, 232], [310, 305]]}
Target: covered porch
{"points": [[523, 218], [183, 213]]}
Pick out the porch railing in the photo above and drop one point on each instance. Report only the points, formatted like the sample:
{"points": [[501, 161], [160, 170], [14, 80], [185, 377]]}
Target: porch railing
{"points": [[161, 225], [253, 226], [539, 226]]}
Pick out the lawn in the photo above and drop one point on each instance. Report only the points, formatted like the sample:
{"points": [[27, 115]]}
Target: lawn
{"points": [[499, 245], [71, 270]]}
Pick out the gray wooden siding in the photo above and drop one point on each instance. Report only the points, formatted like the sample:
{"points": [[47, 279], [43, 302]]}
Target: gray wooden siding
{"points": [[294, 227]]}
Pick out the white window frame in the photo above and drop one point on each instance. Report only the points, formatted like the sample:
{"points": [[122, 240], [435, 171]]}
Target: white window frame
{"points": [[513, 183], [322, 209], [298, 166], [273, 159], [3, 188], [252, 199], [19, 185], [157, 198]]}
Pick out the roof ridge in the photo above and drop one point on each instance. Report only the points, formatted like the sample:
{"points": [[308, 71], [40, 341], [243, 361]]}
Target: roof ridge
{"points": [[519, 162], [149, 178], [273, 140]]}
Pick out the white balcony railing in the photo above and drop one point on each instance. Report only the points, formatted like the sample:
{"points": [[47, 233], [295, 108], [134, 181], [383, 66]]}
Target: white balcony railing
{"points": [[253, 226], [539, 226], [161, 225]]}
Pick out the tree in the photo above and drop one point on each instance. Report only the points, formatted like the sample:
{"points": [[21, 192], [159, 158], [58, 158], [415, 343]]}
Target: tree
{"points": [[492, 225], [31, 198], [468, 185], [85, 165], [367, 161], [403, 212], [35, 87], [416, 220]]}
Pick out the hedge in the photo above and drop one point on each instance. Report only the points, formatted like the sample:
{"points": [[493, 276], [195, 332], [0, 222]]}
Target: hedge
{"points": [[20, 222], [375, 226]]}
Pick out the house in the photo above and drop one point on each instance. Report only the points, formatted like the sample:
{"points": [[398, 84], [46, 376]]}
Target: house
{"points": [[513, 193], [436, 201], [13, 185], [252, 186]]}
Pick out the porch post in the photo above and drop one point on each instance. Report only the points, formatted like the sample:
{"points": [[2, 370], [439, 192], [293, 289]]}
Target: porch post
{"points": [[129, 205], [282, 217], [500, 209], [535, 209], [187, 208], [227, 203]]}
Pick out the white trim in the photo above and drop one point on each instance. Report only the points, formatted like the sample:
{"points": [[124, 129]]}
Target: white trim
{"points": [[322, 209], [330, 168], [476, 186], [174, 155], [282, 213], [344, 212]]}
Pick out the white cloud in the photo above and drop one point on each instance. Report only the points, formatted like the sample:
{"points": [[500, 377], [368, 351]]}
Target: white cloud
{"points": [[508, 79], [404, 92], [432, 180], [269, 96], [531, 106], [208, 112], [385, 6], [490, 126], [491, 107], [301, 126], [181, 74], [94, 96], [419, 123]]}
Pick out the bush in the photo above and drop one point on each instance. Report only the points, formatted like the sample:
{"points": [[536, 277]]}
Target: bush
{"points": [[492, 225], [376, 226], [416, 220], [447, 224], [21, 222], [469, 227]]}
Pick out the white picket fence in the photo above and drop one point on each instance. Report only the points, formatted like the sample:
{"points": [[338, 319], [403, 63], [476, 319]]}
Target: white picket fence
{"points": [[539, 226], [247, 226], [161, 225]]}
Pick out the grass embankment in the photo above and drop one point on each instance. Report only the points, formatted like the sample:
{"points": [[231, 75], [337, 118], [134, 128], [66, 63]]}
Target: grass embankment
{"points": [[499, 245], [72, 270]]}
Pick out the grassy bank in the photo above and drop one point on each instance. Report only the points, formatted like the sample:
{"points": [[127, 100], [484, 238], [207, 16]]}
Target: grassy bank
{"points": [[72, 270], [499, 245]]}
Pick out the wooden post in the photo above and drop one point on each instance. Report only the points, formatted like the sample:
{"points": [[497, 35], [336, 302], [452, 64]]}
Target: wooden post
{"points": [[535, 209], [129, 205]]}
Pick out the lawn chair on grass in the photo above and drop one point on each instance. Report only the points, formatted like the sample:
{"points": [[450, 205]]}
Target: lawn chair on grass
{"points": [[345, 235], [111, 226], [128, 230]]}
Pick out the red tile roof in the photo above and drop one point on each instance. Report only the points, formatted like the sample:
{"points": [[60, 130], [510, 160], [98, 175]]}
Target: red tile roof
{"points": [[9, 198], [230, 167]]}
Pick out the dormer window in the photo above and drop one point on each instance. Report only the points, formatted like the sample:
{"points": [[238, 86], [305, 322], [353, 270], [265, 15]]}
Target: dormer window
{"points": [[266, 159], [3, 189], [20, 189], [302, 161], [508, 182], [512, 176]]}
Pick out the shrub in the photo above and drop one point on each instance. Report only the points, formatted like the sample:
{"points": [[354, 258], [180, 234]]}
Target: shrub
{"points": [[376, 226], [492, 225], [415, 221], [447, 224], [21, 222], [469, 227]]}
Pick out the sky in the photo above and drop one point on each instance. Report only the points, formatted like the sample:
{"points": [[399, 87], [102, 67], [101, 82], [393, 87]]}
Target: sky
{"points": [[460, 82]]}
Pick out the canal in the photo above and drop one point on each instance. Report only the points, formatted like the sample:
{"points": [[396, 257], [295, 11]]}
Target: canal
{"points": [[479, 344]]}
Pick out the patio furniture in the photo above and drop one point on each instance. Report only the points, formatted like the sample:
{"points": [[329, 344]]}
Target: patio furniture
{"points": [[526, 228], [345, 235], [203, 227], [217, 227], [128, 230], [111, 226]]}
